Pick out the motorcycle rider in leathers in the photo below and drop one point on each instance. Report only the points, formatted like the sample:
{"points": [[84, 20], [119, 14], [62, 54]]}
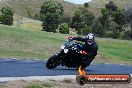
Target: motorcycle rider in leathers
{"points": [[90, 48]]}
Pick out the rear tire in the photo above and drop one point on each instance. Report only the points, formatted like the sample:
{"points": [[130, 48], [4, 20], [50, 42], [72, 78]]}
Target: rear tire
{"points": [[52, 62]]}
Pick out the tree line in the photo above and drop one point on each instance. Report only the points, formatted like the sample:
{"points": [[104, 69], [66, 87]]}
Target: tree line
{"points": [[113, 21]]}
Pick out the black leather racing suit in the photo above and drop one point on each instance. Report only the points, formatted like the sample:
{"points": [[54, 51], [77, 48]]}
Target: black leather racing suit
{"points": [[90, 49]]}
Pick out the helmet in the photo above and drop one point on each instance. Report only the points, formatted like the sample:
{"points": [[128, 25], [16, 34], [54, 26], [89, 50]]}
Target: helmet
{"points": [[90, 38]]}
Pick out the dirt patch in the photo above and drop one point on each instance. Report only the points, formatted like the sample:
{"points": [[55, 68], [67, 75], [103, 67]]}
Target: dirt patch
{"points": [[58, 84]]}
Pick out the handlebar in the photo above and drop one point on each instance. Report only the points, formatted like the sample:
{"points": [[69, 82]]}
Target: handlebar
{"points": [[69, 43]]}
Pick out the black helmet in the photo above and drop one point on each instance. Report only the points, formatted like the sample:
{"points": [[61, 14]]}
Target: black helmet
{"points": [[90, 38]]}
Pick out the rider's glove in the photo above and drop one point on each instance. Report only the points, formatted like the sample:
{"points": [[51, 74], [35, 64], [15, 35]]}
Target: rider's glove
{"points": [[71, 38], [83, 52]]}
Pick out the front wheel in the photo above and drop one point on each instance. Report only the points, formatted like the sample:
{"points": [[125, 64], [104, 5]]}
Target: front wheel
{"points": [[52, 62]]}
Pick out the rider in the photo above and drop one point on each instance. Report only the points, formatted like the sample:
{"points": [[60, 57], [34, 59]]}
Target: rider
{"points": [[90, 47]]}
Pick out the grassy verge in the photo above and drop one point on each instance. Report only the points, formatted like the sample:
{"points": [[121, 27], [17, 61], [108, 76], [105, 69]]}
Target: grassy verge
{"points": [[58, 84], [44, 85], [117, 49], [23, 22], [23, 43]]}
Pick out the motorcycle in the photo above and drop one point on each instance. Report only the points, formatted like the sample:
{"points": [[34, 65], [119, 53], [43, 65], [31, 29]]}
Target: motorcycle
{"points": [[71, 55]]}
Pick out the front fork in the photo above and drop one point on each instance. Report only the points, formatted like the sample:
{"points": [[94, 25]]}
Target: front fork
{"points": [[61, 55]]}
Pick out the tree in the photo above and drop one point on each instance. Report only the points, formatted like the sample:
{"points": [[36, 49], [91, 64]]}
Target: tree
{"points": [[83, 19], [128, 17], [128, 21], [66, 19], [6, 16], [101, 24], [88, 16], [78, 21], [118, 17], [111, 6], [97, 29], [112, 20], [114, 30], [50, 14], [86, 5]]}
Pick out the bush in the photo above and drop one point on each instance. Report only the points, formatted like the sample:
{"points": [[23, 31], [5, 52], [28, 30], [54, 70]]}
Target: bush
{"points": [[115, 35], [45, 85], [127, 34], [34, 86], [64, 28], [86, 30], [6, 16]]}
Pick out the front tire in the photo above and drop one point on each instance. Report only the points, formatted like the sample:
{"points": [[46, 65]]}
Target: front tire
{"points": [[52, 62]]}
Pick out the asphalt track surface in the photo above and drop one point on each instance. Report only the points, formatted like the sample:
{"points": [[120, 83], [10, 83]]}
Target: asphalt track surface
{"points": [[24, 68]]}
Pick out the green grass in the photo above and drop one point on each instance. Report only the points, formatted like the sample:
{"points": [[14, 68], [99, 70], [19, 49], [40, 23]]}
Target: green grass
{"points": [[44, 85], [117, 49], [23, 43], [23, 22]]}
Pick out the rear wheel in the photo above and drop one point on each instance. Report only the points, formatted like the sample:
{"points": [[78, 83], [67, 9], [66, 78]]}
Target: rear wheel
{"points": [[53, 62]]}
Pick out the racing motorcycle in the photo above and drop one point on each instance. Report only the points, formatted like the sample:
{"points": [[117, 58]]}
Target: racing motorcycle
{"points": [[71, 55]]}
